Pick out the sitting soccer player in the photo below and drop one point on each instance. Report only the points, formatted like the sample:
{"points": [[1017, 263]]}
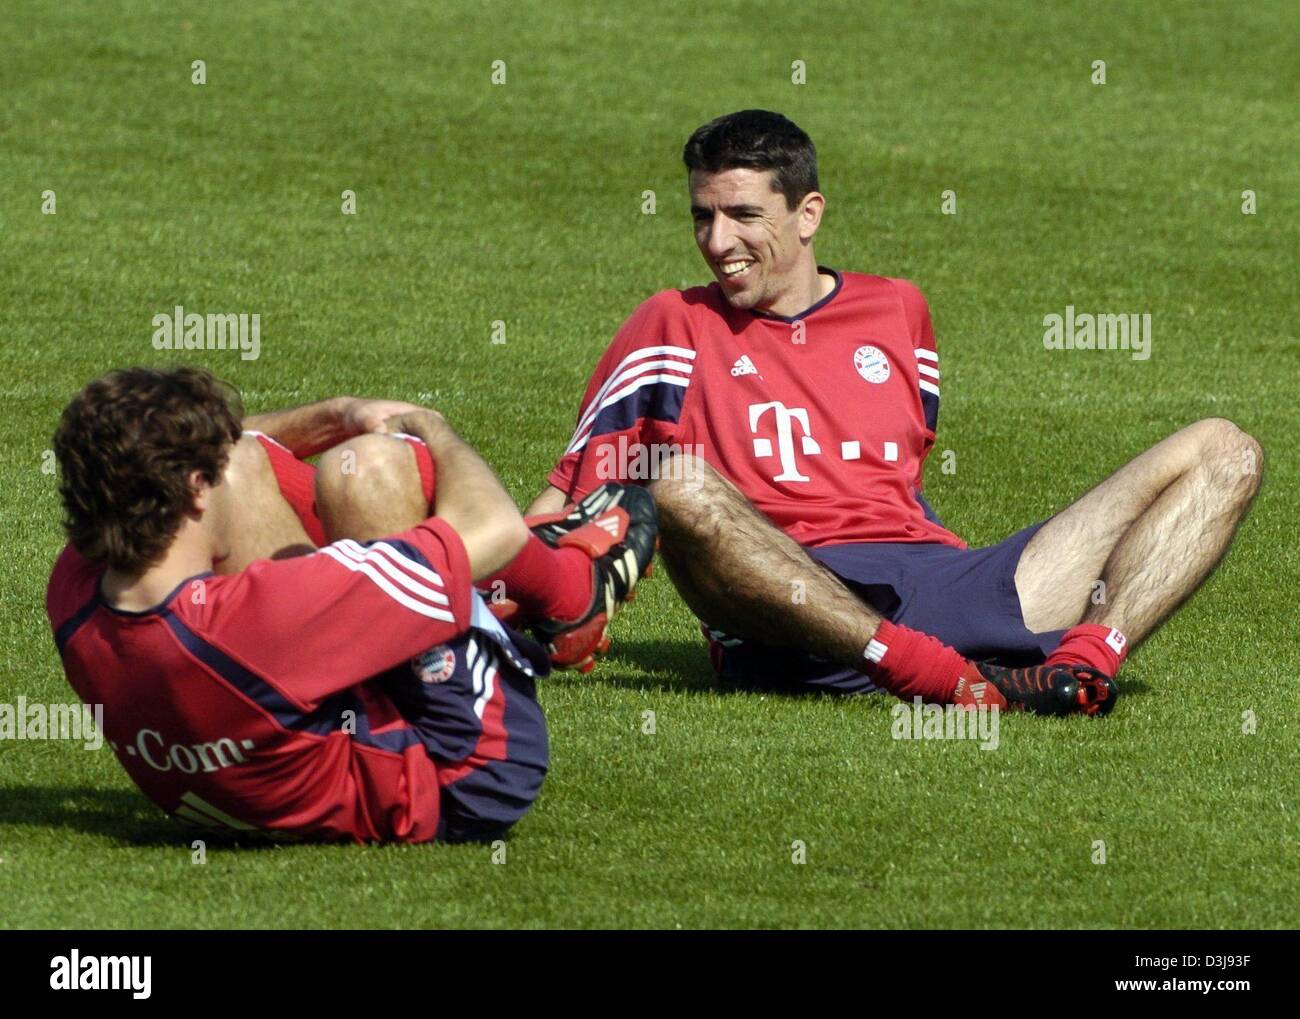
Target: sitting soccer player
{"points": [[798, 405], [363, 690]]}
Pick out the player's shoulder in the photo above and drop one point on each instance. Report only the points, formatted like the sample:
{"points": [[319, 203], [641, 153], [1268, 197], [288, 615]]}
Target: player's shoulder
{"points": [[669, 317], [893, 292], [682, 304], [72, 584], [867, 283]]}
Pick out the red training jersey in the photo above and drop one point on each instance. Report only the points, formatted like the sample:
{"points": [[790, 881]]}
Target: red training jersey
{"points": [[823, 420], [247, 701]]}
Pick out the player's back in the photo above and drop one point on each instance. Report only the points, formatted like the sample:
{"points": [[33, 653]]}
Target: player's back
{"points": [[229, 708]]}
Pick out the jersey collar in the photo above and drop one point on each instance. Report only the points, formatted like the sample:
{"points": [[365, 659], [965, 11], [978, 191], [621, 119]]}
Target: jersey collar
{"points": [[839, 282], [153, 610]]}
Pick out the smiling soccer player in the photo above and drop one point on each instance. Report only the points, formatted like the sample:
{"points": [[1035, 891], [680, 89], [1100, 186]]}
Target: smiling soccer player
{"points": [[803, 541]]}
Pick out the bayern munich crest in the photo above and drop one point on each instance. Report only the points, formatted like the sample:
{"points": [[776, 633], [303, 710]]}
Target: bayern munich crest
{"points": [[436, 665], [871, 364]]}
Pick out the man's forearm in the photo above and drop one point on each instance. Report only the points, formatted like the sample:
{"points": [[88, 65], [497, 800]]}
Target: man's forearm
{"points": [[549, 500], [306, 430], [468, 495], [466, 484]]}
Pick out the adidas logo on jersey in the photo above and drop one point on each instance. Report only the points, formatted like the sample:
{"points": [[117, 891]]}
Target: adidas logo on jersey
{"points": [[743, 367]]}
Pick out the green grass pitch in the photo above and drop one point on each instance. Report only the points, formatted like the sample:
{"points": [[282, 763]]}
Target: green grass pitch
{"points": [[522, 203]]}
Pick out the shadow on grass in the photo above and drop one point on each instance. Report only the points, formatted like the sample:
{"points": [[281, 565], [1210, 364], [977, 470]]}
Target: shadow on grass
{"points": [[1131, 686], [674, 667], [683, 667], [123, 816], [679, 667], [128, 819]]}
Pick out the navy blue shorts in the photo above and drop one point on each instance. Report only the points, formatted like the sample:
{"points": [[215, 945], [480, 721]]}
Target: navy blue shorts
{"points": [[473, 704], [965, 597]]}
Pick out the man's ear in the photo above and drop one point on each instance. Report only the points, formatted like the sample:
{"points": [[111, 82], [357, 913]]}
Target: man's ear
{"points": [[200, 493], [810, 214]]}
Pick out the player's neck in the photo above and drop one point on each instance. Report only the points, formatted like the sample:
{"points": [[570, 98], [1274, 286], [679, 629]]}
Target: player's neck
{"points": [[189, 555], [809, 287]]}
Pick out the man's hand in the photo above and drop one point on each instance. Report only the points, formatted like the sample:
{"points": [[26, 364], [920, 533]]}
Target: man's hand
{"points": [[412, 421], [317, 426], [468, 496], [361, 415]]}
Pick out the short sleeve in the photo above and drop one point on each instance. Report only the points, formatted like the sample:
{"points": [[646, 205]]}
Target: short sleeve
{"points": [[317, 624], [924, 348], [633, 399]]}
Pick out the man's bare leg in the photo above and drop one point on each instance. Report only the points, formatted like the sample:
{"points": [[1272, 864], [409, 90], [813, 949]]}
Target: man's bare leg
{"points": [[1151, 533], [369, 487], [263, 525], [739, 573], [366, 488]]}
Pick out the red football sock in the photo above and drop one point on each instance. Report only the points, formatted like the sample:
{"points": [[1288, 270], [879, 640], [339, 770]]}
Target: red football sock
{"points": [[910, 664], [1102, 647], [555, 583]]}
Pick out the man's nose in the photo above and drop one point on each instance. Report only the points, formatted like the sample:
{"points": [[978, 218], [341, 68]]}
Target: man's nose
{"points": [[722, 238]]}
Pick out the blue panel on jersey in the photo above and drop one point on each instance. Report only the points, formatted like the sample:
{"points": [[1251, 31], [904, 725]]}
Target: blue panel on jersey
{"points": [[931, 404], [928, 510], [325, 719], [660, 402], [74, 623]]}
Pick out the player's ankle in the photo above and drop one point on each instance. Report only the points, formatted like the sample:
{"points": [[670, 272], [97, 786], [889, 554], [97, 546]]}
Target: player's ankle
{"points": [[577, 597], [1095, 645], [550, 583], [910, 664]]}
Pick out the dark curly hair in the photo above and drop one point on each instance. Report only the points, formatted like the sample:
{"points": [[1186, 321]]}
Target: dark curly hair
{"points": [[126, 446], [757, 140]]}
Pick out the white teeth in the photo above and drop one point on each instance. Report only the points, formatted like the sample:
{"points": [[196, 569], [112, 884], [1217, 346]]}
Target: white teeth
{"points": [[735, 268]]}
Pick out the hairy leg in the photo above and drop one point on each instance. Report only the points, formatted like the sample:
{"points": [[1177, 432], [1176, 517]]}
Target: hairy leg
{"points": [[369, 487], [260, 524], [742, 575], [1150, 533]]}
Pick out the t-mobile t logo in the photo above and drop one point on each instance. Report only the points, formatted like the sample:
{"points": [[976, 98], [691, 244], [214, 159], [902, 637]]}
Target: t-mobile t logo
{"points": [[785, 418]]}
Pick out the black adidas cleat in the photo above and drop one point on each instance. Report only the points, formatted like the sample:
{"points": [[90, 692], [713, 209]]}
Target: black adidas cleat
{"points": [[1097, 691], [1053, 689], [618, 527]]}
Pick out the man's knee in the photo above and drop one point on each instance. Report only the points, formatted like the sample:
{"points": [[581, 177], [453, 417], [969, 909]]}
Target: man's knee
{"points": [[1234, 458], [249, 466], [366, 466]]}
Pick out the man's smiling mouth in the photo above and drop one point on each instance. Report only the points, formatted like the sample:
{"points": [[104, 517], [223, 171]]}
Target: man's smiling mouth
{"points": [[735, 268]]}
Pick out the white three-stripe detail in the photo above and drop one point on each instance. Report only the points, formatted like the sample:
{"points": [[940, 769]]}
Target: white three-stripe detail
{"points": [[636, 355], [193, 808], [358, 551], [613, 398], [371, 561], [609, 392], [927, 355]]}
